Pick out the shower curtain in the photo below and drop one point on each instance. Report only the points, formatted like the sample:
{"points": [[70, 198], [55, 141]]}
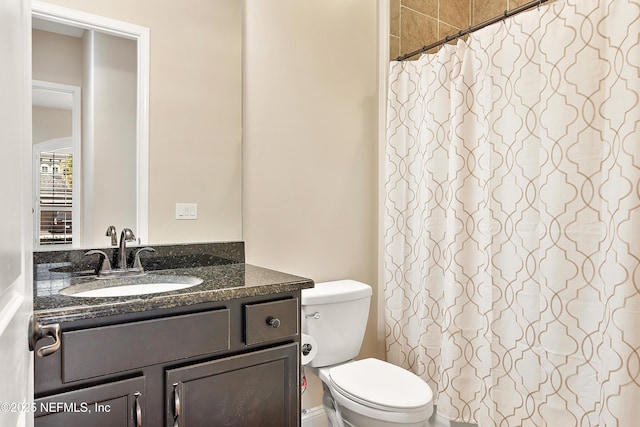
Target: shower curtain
{"points": [[512, 219]]}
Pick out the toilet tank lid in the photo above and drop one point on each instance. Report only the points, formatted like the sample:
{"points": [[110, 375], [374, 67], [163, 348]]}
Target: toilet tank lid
{"points": [[336, 291]]}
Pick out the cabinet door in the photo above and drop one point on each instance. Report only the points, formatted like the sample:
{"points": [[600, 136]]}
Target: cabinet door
{"points": [[107, 405], [260, 388]]}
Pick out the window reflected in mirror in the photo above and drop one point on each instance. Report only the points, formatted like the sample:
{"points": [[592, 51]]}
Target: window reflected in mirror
{"points": [[55, 194], [56, 163]]}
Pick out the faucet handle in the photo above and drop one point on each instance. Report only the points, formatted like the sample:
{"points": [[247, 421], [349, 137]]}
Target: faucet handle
{"points": [[104, 268], [137, 264], [127, 235]]}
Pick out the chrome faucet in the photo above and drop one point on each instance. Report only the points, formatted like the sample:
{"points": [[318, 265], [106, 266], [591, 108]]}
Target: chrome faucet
{"points": [[126, 236], [111, 232], [104, 270]]}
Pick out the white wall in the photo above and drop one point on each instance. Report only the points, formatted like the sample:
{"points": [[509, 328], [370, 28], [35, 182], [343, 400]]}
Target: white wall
{"points": [[310, 143]]}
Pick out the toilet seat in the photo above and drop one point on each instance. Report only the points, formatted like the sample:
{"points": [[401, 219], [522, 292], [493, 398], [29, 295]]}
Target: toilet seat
{"points": [[381, 385]]}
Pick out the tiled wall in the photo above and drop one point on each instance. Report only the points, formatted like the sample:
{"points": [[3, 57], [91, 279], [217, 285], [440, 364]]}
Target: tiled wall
{"points": [[417, 23]]}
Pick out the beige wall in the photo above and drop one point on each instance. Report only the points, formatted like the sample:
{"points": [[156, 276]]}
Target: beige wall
{"points": [[417, 23], [50, 123], [56, 58], [310, 143], [310, 131], [195, 112]]}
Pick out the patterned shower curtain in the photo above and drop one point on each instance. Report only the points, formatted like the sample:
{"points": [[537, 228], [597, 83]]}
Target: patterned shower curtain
{"points": [[512, 219]]}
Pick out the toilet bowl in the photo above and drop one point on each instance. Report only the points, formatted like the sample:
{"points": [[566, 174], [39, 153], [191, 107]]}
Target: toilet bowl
{"points": [[358, 393], [374, 393]]}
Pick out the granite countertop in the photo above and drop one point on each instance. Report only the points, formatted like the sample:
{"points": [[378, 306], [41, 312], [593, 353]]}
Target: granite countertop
{"points": [[221, 282]]}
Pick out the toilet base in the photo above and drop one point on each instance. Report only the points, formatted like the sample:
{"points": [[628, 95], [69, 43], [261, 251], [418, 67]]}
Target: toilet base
{"points": [[359, 420]]}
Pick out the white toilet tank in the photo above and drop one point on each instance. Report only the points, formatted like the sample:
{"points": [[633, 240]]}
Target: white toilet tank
{"points": [[335, 314]]}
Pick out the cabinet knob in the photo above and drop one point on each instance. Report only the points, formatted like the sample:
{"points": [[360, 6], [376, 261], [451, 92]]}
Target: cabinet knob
{"points": [[273, 322]]}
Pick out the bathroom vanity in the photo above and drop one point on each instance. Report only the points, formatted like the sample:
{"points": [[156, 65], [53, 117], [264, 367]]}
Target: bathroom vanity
{"points": [[224, 352]]}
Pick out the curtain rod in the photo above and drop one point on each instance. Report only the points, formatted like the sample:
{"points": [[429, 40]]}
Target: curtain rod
{"points": [[505, 15]]}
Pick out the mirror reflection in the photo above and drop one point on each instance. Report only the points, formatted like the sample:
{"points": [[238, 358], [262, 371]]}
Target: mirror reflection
{"points": [[85, 134], [189, 120], [55, 144]]}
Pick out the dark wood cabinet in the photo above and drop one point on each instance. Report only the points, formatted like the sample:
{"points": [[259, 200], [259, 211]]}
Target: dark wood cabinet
{"points": [[257, 391], [120, 403], [226, 364]]}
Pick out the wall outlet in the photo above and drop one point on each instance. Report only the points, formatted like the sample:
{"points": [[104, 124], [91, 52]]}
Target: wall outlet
{"points": [[186, 211]]}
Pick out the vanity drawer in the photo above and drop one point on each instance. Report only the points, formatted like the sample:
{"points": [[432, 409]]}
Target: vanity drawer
{"points": [[268, 321], [89, 353]]}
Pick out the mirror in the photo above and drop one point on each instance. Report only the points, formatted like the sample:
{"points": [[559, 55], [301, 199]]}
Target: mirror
{"points": [[90, 124], [194, 132], [56, 142]]}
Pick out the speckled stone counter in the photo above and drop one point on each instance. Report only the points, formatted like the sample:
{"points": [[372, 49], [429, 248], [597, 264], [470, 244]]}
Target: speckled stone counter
{"points": [[221, 267]]}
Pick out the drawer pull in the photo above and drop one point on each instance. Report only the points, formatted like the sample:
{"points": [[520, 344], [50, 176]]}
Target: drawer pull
{"points": [[274, 322], [176, 405], [138, 410]]}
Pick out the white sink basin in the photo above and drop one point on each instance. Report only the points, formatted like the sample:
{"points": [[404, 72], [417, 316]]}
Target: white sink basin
{"points": [[152, 284]]}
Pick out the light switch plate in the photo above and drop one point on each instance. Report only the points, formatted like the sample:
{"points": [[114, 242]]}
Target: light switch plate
{"points": [[186, 211]]}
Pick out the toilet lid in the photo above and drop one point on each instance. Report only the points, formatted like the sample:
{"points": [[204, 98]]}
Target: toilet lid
{"points": [[381, 384]]}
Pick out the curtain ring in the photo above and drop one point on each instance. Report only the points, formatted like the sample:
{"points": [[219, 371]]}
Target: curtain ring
{"points": [[504, 18]]}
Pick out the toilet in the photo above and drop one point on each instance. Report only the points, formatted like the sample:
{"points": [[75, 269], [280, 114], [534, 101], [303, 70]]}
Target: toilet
{"points": [[357, 393]]}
